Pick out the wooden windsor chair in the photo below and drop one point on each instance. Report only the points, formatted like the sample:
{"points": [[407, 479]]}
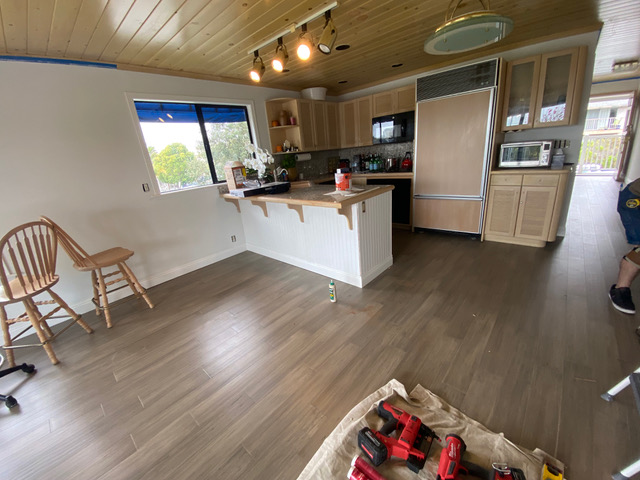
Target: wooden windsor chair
{"points": [[113, 257], [29, 254]]}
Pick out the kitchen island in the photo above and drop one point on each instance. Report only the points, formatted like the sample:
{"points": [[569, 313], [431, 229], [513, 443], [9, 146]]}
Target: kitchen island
{"points": [[345, 236]]}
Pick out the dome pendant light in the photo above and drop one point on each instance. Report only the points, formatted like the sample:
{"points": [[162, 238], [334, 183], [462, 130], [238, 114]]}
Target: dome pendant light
{"points": [[258, 67], [329, 35], [280, 60], [469, 31], [305, 44]]}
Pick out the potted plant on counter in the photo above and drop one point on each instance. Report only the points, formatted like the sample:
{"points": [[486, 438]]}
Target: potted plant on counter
{"points": [[288, 162], [256, 164]]}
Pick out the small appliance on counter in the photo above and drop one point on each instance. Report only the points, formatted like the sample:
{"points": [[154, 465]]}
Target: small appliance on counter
{"points": [[525, 154], [391, 165], [264, 189], [407, 163]]}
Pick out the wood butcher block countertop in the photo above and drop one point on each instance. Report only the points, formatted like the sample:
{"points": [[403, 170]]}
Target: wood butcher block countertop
{"points": [[318, 196]]}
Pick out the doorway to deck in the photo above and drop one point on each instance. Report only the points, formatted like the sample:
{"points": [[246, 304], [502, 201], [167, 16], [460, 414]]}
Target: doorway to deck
{"points": [[605, 141]]}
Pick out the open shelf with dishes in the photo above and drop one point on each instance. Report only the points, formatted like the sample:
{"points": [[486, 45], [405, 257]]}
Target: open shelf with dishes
{"points": [[284, 126]]}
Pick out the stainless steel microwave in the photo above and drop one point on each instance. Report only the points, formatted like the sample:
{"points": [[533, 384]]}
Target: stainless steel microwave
{"points": [[525, 154]]}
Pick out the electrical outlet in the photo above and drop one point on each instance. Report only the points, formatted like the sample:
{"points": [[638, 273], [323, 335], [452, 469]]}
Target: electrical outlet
{"points": [[233, 238], [145, 187]]}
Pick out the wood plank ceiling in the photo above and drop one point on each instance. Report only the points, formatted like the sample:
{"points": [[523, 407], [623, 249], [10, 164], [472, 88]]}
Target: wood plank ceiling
{"points": [[211, 38]]}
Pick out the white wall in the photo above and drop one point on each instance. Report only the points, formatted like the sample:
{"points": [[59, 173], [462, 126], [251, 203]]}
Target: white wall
{"points": [[69, 150]]}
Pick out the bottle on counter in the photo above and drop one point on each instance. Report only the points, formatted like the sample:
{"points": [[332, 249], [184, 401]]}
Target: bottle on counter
{"points": [[332, 291]]}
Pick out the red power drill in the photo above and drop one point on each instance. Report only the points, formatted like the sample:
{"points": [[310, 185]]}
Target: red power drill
{"points": [[379, 446], [451, 464]]}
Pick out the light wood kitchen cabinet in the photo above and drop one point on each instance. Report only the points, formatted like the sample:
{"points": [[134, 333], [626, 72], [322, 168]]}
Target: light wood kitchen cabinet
{"points": [[364, 128], [307, 134], [355, 122], [316, 139], [383, 103], [544, 90], [348, 129], [316, 124], [406, 99], [524, 208], [333, 125], [394, 101]]}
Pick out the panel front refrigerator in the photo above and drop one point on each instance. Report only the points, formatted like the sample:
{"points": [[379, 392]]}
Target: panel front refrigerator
{"points": [[452, 161]]}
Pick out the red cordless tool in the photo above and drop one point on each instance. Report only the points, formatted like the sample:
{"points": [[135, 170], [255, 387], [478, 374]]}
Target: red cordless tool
{"points": [[451, 464], [378, 446], [451, 458], [501, 471]]}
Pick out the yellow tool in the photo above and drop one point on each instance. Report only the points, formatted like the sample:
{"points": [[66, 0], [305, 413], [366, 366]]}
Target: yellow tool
{"points": [[549, 472]]}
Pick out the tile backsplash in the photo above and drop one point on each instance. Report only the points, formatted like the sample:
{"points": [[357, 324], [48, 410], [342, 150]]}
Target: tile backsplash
{"points": [[319, 163]]}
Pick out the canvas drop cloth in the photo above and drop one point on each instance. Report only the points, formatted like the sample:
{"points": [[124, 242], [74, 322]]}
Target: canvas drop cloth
{"points": [[333, 458]]}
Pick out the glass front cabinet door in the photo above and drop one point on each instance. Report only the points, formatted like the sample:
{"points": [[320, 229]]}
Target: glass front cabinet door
{"points": [[545, 90], [520, 94], [556, 88]]}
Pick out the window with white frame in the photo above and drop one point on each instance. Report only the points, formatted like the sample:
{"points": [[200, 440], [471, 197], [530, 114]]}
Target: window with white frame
{"points": [[189, 143]]}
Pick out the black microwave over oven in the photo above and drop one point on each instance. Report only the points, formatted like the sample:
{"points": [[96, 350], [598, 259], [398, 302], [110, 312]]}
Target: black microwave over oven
{"points": [[396, 128]]}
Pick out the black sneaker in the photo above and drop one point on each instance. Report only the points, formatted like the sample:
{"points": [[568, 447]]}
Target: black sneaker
{"points": [[621, 299]]}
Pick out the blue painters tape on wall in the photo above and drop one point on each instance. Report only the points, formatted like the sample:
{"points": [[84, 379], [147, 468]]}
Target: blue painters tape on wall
{"points": [[9, 58]]}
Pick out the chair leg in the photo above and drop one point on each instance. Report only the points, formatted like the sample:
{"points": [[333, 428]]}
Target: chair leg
{"points": [[45, 326], [77, 318], [96, 293], [127, 277], [139, 287], [7, 337], [105, 300], [35, 323]]}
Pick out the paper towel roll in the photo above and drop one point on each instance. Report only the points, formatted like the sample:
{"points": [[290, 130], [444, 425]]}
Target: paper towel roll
{"points": [[301, 157]]}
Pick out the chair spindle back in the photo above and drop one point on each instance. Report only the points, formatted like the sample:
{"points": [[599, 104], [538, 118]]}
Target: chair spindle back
{"points": [[77, 254], [29, 255]]}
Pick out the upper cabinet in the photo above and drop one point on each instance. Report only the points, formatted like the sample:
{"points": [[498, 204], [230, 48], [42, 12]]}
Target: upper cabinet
{"points": [[394, 101], [545, 90], [355, 122], [333, 125], [307, 124]]}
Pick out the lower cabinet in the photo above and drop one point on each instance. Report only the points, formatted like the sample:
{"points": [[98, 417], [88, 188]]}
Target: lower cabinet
{"points": [[524, 208]]}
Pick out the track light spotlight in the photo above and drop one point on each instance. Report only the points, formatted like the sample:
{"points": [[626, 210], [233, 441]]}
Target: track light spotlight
{"points": [[258, 67], [329, 35], [305, 44], [280, 60]]}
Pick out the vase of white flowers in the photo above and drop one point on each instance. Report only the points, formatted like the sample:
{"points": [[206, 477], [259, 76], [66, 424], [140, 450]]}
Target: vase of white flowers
{"points": [[257, 161]]}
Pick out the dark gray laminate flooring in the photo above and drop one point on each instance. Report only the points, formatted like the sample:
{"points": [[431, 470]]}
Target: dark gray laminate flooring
{"points": [[244, 367]]}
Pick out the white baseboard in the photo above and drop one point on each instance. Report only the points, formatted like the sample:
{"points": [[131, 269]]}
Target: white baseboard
{"points": [[351, 279], [377, 270], [147, 282]]}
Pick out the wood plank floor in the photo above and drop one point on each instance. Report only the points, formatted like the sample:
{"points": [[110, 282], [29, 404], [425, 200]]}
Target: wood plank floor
{"points": [[244, 367]]}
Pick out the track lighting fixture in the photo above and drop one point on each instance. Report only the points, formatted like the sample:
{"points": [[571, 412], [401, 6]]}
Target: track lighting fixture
{"points": [[305, 44], [329, 35], [280, 60], [258, 67]]}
